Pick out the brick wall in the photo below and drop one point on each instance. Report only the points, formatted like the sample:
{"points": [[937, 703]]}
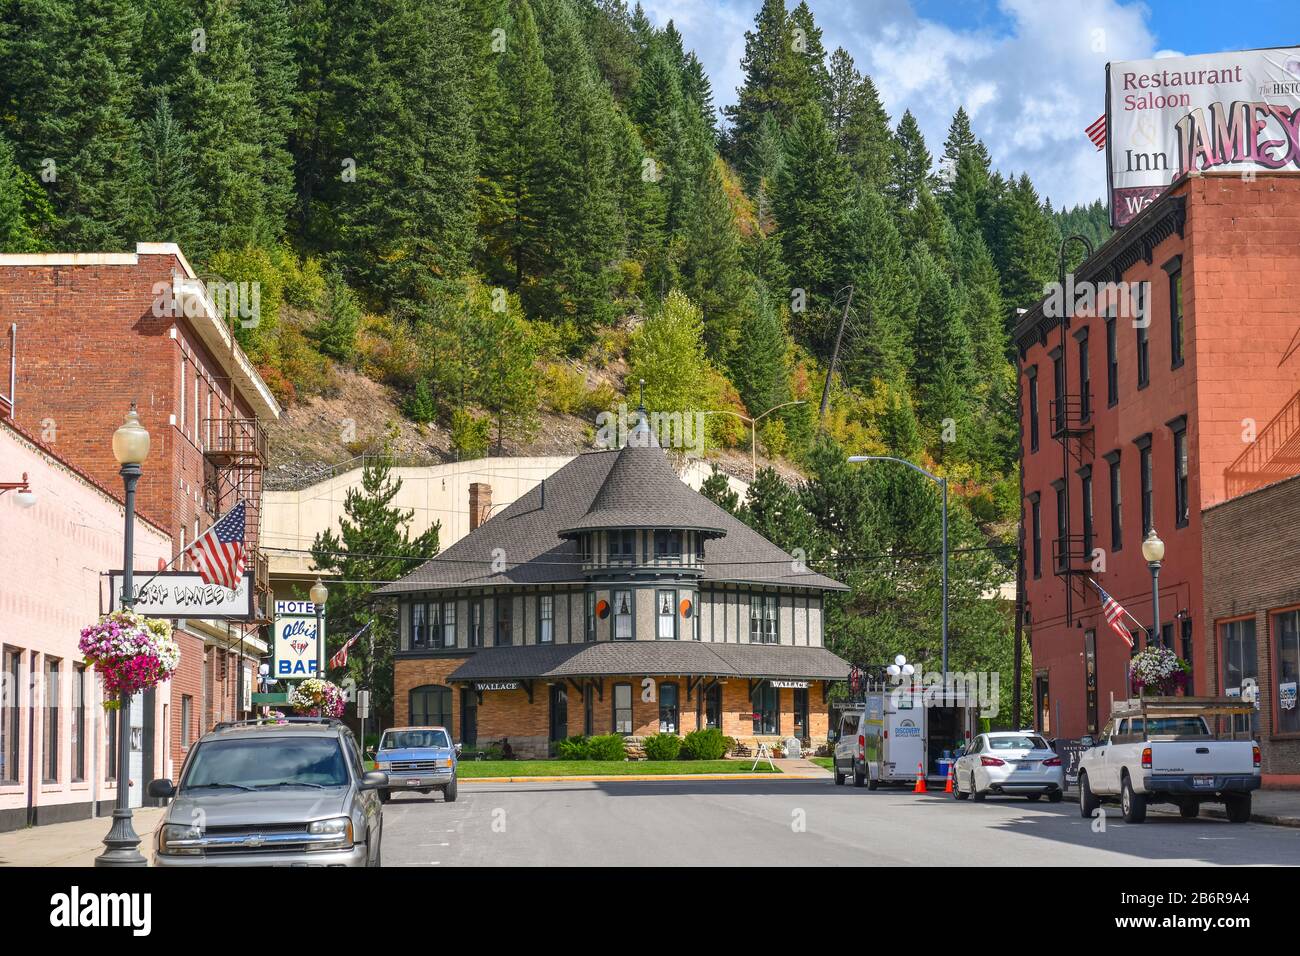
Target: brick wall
{"points": [[188, 682], [1250, 545]]}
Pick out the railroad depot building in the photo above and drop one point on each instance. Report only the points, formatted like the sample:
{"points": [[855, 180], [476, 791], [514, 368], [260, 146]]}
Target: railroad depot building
{"points": [[1129, 424], [612, 598]]}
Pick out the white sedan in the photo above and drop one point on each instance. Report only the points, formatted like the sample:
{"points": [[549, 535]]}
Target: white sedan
{"points": [[1011, 763]]}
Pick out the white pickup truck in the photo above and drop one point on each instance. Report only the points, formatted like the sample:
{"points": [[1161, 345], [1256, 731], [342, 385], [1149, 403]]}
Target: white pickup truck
{"points": [[1164, 750]]}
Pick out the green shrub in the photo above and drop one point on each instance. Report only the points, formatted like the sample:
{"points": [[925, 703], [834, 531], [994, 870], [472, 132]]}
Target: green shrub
{"points": [[563, 388], [662, 747], [470, 435], [706, 744], [602, 398], [420, 407], [606, 747], [575, 748], [730, 743]]}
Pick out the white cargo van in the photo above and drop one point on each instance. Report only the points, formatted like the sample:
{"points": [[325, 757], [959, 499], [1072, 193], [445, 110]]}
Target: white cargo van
{"points": [[890, 731]]}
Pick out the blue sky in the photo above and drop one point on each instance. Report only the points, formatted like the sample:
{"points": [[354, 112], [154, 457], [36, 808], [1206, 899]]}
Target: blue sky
{"points": [[1030, 72]]}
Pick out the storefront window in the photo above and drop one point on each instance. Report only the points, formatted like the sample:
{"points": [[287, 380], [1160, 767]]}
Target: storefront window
{"points": [[766, 710], [667, 616], [9, 715], [78, 736], [1287, 628], [431, 706], [51, 720], [623, 616], [623, 709], [1240, 667], [669, 715]]}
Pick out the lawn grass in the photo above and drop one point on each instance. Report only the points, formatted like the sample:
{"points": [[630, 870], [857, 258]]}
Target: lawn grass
{"points": [[599, 768], [826, 763]]}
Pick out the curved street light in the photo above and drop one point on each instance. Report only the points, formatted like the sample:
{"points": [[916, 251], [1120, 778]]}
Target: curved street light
{"points": [[943, 488], [753, 430]]}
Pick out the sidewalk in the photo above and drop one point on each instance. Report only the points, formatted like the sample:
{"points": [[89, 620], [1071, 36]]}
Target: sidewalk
{"points": [[72, 844], [790, 768]]}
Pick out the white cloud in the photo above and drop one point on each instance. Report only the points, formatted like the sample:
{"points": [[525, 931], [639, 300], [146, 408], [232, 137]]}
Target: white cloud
{"points": [[1031, 82]]}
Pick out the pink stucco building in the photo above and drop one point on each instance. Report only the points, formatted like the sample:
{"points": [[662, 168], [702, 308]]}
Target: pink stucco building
{"points": [[56, 758]]}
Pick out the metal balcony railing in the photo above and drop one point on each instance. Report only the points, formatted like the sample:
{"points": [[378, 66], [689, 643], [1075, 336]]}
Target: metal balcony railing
{"points": [[237, 438], [1072, 554], [1071, 415]]}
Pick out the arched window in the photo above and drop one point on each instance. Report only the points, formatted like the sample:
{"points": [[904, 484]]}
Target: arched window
{"points": [[431, 706]]}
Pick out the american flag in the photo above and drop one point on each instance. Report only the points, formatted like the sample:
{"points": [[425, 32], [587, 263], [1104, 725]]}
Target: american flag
{"points": [[340, 658], [1097, 132], [219, 554], [1114, 613]]}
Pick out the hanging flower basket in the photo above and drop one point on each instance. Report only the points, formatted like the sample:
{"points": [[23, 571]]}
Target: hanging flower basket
{"points": [[1157, 672], [317, 698], [132, 652]]}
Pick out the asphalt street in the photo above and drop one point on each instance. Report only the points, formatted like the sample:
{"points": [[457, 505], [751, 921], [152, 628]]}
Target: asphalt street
{"points": [[793, 823]]}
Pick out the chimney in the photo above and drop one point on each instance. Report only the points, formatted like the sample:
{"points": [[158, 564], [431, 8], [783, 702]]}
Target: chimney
{"points": [[480, 503]]}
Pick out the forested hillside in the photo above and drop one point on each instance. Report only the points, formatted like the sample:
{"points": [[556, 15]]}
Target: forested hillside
{"points": [[482, 203]]}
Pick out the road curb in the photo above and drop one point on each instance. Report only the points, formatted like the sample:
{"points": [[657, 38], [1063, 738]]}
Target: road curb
{"points": [[645, 777], [1266, 818]]}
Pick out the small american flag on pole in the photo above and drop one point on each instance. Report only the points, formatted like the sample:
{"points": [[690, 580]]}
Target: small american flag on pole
{"points": [[219, 553], [1097, 132], [1114, 614], [340, 658]]}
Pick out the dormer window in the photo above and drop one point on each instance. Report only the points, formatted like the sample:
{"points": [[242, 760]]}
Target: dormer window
{"points": [[668, 545]]}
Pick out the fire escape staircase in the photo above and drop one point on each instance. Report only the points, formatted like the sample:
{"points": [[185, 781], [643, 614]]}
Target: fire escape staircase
{"points": [[1273, 456], [1071, 427], [235, 461]]}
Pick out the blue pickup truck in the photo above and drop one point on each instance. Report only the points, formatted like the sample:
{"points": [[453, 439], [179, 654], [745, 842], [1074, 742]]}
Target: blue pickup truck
{"points": [[417, 758]]}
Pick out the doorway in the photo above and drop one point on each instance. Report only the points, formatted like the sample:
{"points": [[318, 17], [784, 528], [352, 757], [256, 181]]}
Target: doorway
{"points": [[559, 712]]}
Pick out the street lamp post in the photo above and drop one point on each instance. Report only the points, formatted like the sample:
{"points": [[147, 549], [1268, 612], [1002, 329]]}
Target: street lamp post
{"points": [[1153, 549], [753, 430], [319, 595], [943, 489], [122, 845]]}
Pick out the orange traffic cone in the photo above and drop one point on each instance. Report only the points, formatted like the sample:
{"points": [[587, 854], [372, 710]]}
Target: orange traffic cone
{"points": [[947, 787], [920, 779]]}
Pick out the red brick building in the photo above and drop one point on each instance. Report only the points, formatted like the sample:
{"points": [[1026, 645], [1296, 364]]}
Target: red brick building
{"points": [[98, 331], [1128, 424]]}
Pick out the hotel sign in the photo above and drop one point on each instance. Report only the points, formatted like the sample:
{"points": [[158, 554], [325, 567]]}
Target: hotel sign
{"points": [[481, 686], [790, 684], [1236, 112], [294, 641], [177, 594]]}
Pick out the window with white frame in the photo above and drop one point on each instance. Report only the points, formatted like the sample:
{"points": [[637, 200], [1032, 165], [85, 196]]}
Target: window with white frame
{"points": [[545, 619], [667, 615], [448, 623], [623, 605]]}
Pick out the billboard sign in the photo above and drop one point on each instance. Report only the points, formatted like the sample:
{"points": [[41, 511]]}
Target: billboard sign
{"points": [[1226, 112], [177, 594]]}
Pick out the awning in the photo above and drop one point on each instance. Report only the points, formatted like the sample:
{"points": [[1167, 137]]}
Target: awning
{"points": [[652, 658]]}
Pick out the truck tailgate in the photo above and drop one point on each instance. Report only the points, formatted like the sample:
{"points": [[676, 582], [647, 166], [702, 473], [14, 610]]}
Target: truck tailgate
{"points": [[1202, 756]]}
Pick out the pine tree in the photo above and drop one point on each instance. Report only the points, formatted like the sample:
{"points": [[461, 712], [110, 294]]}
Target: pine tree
{"points": [[1025, 246], [373, 543], [808, 78], [712, 267], [941, 344], [911, 164], [275, 90], [774, 509], [765, 48], [25, 213], [169, 209], [71, 86], [759, 369], [717, 489], [667, 351]]}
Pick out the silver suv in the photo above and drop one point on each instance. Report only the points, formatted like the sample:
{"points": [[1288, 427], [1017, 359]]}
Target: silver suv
{"points": [[288, 792]]}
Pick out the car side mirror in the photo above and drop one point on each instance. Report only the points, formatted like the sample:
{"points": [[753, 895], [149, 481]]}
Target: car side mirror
{"points": [[162, 789], [373, 780]]}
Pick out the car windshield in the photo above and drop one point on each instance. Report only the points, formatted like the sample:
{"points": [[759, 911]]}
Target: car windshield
{"points": [[1017, 742], [1171, 726], [413, 739], [258, 763]]}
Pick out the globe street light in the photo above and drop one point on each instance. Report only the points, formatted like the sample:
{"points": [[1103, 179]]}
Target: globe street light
{"points": [[1153, 549], [319, 595], [122, 845], [943, 488]]}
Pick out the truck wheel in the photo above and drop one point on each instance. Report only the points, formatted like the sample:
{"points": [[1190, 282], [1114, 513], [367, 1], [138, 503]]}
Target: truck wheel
{"points": [[1134, 804], [449, 792], [1189, 809], [385, 795], [1056, 796], [1238, 808], [1088, 802], [859, 778], [839, 777], [976, 794], [872, 783]]}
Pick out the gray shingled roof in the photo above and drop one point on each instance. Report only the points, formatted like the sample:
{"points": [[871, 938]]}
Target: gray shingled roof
{"points": [[525, 537], [658, 658]]}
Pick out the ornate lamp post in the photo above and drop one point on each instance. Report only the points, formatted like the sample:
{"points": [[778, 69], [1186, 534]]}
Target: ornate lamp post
{"points": [[122, 845], [319, 595], [1153, 549]]}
